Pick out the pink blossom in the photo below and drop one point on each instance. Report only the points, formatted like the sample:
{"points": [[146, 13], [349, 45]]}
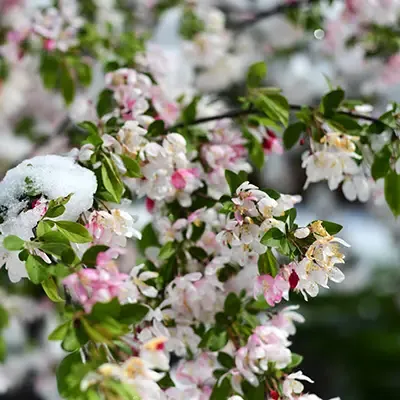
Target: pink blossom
{"points": [[196, 215], [178, 180], [40, 205], [181, 176], [273, 289], [49, 44], [167, 109], [197, 375], [285, 319], [104, 258], [90, 286], [293, 280], [150, 204], [271, 144]]}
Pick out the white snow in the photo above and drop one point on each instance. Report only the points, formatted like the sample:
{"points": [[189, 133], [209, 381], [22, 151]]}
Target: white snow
{"points": [[53, 177], [50, 177]]}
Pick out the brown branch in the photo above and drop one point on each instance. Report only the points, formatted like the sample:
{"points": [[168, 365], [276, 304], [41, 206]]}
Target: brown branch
{"points": [[279, 9], [242, 113]]}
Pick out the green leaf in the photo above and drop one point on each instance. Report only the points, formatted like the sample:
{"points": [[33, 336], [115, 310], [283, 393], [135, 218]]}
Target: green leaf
{"points": [[156, 128], [257, 155], [376, 127], [59, 270], [63, 372], [95, 334], [226, 360], [149, 238], [90, 128], [49, 70], [132, 314], [105, 103], [235, 180], [292, 134], [345, 124], [267, 264], [74, 232], [69, 257], [60, 332], [275, 107], [331, 101], [102, 310], [190, 112], [381, 165], [54, 237], [43, 228], [169, 270], [55, 212], [190, 24], [55, 248], [3, 317], [37, 269], [222, 390], [67, 85], [331, 227], [13, 243], [51, 289], [166, 382], [167, 251], [132, 167], [111, 180], [198, 253], [70, 342], [252, 392], [89, 258], [227, 208], [122, 391], [232, 305], [198, 231], [3, 349], [273, 194], [256, 74], [92, 394], [260, 304], [295, 362], [272, 237], [392, 192], [84, 72], [217, 340], [292, 214], [389, 119]]}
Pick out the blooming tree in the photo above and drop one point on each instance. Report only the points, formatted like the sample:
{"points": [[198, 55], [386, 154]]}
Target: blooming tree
{"points": [[200, 316]]}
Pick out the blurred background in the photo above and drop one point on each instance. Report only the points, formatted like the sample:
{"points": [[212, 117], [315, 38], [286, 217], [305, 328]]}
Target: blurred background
{"points": [[351, 338]]}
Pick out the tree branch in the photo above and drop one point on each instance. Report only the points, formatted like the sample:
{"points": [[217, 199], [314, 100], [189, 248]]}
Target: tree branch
{"points": [[279, 9], [242, 113]]}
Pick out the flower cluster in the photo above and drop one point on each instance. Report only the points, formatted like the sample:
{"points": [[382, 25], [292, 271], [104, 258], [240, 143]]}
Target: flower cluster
{"points": [[334, 159], [58, 27], [254, 214], [136, 372], [211, 41], [219, 253], [225, 150]]}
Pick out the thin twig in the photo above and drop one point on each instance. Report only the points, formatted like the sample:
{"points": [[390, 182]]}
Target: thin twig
{"points": [[242, 113], [279, 9]]}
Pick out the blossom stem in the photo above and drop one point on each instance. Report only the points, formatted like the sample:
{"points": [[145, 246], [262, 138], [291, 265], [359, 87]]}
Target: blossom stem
{"points": [[233, 338], [242, 113]]}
